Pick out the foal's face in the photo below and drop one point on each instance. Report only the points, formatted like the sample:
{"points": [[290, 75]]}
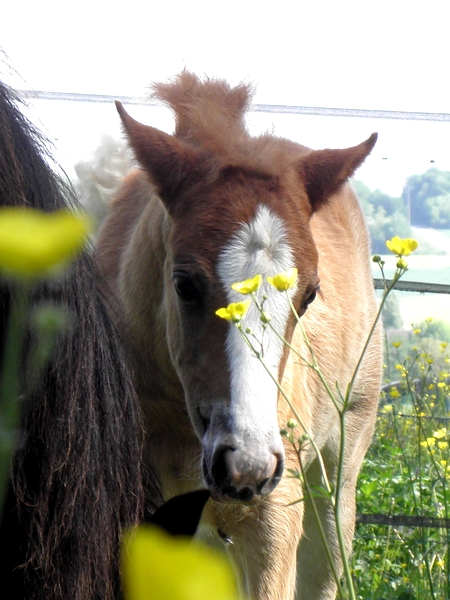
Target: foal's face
{"points": [[230, 224], [231, 233]]}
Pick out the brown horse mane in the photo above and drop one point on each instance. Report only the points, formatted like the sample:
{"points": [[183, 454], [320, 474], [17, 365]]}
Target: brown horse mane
{"points": [[77, 476], [211, 114]]}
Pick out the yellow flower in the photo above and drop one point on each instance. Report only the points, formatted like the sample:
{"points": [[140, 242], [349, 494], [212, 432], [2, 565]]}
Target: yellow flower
{"points": [[157, 566], [234, 311], [36, 244], [443, 445], [402, 247], [248, 286], [440, 433], [431, 441], [396, 344], [394, 393], [284, 281], [387, 408]]}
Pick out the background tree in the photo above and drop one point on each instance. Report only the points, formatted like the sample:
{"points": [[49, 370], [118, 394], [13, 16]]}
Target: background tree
{"points": [[428, 197], [386, 216], [392, 318], [438, 330], [100, 175]]}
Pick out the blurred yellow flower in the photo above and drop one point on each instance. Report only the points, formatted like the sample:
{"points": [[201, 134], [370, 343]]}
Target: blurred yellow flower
{"points": [[37, 244], [158, 566], [431, 441], [443, 445], [248, 286], [440, 433], [284, 281], [402, 247], [234, 311]]}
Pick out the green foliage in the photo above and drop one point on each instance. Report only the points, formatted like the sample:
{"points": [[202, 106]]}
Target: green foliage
{"points": [[429, 198], [438, 330], [425, 202], [407, 472], [386, 216]]}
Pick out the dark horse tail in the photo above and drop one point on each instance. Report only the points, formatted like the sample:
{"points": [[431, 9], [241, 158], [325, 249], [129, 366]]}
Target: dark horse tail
{"points": [[77, 476]]}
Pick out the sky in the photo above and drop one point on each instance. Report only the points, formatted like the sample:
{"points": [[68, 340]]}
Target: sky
{"points": [[365, 54], [391, 55]]}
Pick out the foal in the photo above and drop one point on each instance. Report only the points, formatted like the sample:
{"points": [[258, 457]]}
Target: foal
{"points": [[212, 206]]}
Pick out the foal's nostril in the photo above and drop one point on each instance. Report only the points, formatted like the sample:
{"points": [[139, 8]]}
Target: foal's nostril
{"points": [[219, 471]]}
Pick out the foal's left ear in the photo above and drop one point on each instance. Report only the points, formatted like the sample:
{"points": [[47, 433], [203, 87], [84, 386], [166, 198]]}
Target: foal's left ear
{"points": [[324, 171], [171, 163]]}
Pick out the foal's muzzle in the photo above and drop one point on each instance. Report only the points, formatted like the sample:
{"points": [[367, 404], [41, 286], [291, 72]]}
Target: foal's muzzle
{"points": [[242, 475]]}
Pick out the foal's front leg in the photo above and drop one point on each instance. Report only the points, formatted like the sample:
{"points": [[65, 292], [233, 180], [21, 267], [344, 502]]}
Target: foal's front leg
{"points": [[315, 577], [264, 539]]}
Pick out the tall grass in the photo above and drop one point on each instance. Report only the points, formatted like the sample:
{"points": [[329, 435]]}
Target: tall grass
{"points": [[407, 473]]}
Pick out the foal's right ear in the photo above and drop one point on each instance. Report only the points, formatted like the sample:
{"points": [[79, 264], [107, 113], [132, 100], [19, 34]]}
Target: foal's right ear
{"points": [[171, 163], [323, 172]]}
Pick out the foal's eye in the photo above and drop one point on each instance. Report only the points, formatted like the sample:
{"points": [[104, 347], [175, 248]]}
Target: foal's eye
{"points": [[309, 299], [185, 288]]}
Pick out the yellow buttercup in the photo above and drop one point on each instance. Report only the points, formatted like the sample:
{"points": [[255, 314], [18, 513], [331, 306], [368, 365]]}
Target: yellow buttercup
{"points": [[35, 244]]}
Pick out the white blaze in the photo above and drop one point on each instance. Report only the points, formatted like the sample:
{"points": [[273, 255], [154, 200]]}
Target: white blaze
{"points": [[260, 247]]}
